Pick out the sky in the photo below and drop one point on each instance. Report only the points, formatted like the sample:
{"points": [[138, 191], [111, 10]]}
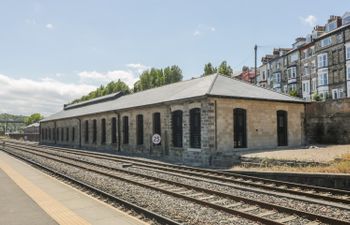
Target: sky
{"points": [[52, 52]]}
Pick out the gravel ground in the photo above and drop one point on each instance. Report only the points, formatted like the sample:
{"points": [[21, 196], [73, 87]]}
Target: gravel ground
{"points": [[283, 201], [319, 154], [175, 208]]}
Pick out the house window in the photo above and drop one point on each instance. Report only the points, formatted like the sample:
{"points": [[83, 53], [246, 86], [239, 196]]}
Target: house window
{"points": [[348, 72], [294, 57], [306, 87], [240, 128], [292, 73], [323, 78], [103, 131], [263, 75], [335, 93], [314, 84], [292, 87], [176, 122], [322, 60], [94, 131], [348, 52], [125, 130], [195, 128], [325, 42], [277, 77], [67, 134], [331, 26], [114, 130], [306, 70], [86, 131], [139, 129], [73, 133]]}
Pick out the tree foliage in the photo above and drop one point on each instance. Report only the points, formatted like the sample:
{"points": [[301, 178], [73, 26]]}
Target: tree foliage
{"points": [[158, 77], [223, 69], [34, 118], [111, 87]]}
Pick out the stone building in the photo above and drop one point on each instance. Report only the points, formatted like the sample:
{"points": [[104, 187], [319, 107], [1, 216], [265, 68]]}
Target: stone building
{"points": [[198, 120]]}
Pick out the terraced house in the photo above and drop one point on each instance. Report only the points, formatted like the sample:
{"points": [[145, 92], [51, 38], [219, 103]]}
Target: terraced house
{"points": [[200, 121], [317, 65]]}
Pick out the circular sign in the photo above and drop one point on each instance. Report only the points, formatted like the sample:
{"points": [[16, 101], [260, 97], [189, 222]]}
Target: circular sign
{"points": [[156, 139]]}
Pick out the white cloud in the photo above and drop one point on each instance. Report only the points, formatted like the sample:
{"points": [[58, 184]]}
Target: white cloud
{"points": [[49, 26], [47, 96], [310, 20], [138, 67], [92, 76], [203, 29]]}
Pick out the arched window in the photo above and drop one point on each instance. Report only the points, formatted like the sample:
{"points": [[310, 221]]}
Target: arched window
{"points": [[103, 131], [125, 130], [114, 130], [86, 131], [195, 128], [240, 128], [139, 129], [282, 128], [67, 134], [94, 131], [176, 126]]}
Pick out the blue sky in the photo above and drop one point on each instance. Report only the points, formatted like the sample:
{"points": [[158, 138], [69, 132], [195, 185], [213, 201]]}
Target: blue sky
{"points": [[64, 49]]}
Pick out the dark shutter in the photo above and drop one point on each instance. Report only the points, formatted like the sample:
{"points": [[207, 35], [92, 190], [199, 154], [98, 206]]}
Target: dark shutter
{"points": [[240, 128], [62, 134], [114, 130], [195, 128], [139, 129], [176, 119], [125, 130], [282, 128], [156, 124], [94, 131], [73, 133], [67, 134], [103, 131]]}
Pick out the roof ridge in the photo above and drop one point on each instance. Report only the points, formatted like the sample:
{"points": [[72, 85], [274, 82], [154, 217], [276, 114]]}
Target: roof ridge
{"points": [[212, 83]]}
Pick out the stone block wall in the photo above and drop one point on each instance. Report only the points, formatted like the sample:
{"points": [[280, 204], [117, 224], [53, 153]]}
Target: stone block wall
{"points": [[261, 123], [328, 122]]}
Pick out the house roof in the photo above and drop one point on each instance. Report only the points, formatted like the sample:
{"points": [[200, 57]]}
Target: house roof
{"points": [[212, 85]]}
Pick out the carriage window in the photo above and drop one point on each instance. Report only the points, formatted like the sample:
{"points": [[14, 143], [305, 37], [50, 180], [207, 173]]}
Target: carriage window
{"points": [[103, 131], [176, 118], [195, 128], [139, 129], [125, 130], [114, 130], [240, 128]]}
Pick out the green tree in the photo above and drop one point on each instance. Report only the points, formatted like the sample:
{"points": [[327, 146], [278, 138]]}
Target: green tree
{"points": [[225, 69], [209, 69], [172, 74], [293, 93], [36, 117]]}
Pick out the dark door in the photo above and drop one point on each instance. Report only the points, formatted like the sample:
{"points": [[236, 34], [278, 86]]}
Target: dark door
{"points": [[240, 128], [282, 128]]}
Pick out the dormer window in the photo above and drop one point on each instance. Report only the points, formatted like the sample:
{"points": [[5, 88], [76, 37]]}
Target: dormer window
{"points": [[346, 18], [325, 42], [331, 26]]}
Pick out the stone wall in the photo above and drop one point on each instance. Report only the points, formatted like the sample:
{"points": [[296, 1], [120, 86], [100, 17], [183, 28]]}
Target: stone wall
{"points": [[328, 122]]}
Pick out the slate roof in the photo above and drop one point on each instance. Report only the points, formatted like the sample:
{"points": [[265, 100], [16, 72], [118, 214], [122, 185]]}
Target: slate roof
{"points": [[212, 85]]}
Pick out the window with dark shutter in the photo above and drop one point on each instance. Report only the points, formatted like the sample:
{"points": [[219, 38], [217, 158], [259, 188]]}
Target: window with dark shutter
{"points": [[176, 126], [114, 130], [86, 131], [139, 129], [67, 134], [195, 128], [94, 131], [62, 134], [103, 131], [54, 134], [157, 124], [125, 130], [240, 128], [58, 134], [50, 134]]}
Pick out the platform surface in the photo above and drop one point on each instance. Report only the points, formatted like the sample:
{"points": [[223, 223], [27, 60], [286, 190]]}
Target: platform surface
{"points": [[29, 196]]}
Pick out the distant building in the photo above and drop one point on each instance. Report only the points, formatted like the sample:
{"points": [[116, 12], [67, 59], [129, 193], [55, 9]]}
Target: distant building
{"points": [[246, 75], [31, 132], [318, 64]]}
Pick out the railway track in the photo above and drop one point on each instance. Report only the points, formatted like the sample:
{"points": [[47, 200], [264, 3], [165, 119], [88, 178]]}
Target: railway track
{"points": [[262, 212], [328, 194]]}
